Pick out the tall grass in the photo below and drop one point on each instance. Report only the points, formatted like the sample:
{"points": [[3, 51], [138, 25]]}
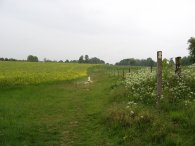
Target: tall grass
{"points": [[133, 115]]}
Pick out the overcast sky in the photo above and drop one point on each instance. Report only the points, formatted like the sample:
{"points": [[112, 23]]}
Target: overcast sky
{"points": [[109, 29]]}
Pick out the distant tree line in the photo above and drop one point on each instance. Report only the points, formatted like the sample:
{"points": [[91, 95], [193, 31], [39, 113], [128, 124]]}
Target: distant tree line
{"points": [[61, 61], [8, 59], [137, 62], [187, 60], [82, 59], [93, 60]]}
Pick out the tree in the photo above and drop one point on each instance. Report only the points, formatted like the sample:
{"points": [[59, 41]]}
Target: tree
{"points": [[187, 60], [32, 58], [96, 60], [1, 59], [86, 59], [149, 62], [67, 61], [191, 48], [81, 60], [171, 62]]}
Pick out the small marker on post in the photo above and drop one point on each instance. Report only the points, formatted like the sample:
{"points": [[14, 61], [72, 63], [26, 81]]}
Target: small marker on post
{"points": [[89, 79]]}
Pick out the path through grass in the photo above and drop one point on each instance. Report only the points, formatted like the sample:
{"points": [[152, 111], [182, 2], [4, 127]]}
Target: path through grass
{"points": [[65, 113]]}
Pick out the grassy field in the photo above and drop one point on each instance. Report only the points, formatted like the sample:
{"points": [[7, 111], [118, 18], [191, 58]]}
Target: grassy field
{"points": [[109, 111], [64, 112]]}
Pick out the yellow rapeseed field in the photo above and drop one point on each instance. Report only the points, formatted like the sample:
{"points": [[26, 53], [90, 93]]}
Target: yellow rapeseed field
{"points": [[25, 73]]}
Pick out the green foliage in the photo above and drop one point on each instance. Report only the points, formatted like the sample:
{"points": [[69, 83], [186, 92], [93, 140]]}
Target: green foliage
{"points": [[7, 59], [137, 62], [172, 125], [171, 62], [67, 61], [167, 68], [141, 86], [86, 59], [191, 48], [129, 114], [93, 60], [32, 58], [81, 59], [187, 60], [96, 60]]}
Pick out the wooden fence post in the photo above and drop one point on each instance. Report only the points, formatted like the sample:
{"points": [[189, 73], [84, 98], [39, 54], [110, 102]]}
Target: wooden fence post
{"points": [[129, 70], [159, 78], [178, 66]]}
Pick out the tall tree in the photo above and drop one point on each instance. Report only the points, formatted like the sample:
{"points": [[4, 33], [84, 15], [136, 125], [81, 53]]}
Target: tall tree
{"points": [[86, 59], [32, 58], [191, 48], [149, 62], [81, 60], [67, 61]]}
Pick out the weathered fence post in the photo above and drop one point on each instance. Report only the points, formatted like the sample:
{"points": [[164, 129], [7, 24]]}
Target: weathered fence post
{"points": [[178, 66], [151, 68], [129, 69], [159, 78]]}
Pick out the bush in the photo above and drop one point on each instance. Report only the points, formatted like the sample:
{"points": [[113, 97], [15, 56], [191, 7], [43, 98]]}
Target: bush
{"points": [[32, 58]]}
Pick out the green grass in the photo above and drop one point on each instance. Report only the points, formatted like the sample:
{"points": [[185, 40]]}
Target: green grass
{"points": [[61, 113], [76, 113]]}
